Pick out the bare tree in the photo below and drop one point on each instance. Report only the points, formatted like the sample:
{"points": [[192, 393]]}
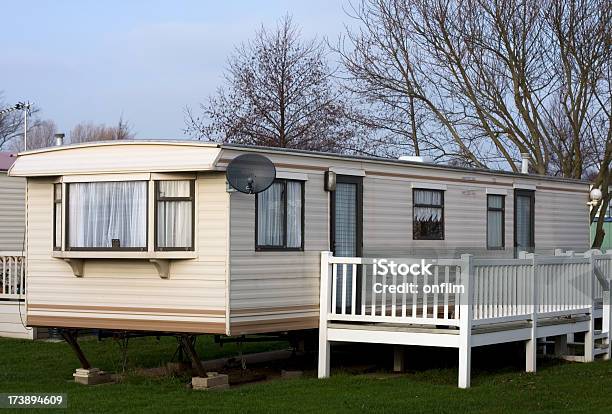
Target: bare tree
{"points": [[88, 132], [279, 92], [482, 81], [40, 135]]}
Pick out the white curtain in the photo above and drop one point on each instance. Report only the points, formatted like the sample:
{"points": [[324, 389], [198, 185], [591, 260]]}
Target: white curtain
{"points": [[427, 213], [102, 211], [294, 214], [174, 217], [270, 216]]}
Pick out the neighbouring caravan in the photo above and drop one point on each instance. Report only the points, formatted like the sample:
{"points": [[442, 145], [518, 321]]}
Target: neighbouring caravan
{"points": [[12, 277], [148, 236]]}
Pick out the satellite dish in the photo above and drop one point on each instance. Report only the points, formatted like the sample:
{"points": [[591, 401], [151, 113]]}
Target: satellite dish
{"points": [[250, 173]]}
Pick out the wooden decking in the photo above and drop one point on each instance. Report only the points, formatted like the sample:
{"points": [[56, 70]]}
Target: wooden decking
{"points": [[530, 299]]}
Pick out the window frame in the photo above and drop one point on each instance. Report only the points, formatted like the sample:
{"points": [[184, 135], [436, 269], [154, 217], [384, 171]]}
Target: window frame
{"points": [[103, 249], [531, 194], [503, 230], [441, 206], [57, 247], [269, 248], [157, 199]]}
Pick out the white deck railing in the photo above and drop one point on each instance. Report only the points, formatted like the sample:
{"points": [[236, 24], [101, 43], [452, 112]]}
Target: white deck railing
{"points": [[12, 275], [494, 290]]}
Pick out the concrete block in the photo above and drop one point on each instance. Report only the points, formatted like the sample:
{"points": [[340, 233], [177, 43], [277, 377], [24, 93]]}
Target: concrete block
{"points": [[214, 381], [92, 376]]}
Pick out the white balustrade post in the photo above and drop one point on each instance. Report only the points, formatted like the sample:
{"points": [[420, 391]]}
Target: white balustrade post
{"points": [[532, 343], [465, 322], [324, 303], [589, 343]]}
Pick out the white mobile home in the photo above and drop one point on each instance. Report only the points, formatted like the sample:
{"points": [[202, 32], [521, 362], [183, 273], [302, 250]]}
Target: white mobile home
{"points": [[137, 235], [149, 236]]}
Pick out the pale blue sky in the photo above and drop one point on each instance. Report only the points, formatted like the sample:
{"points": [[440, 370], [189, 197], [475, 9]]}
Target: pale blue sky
{"points": [[93, 60]]}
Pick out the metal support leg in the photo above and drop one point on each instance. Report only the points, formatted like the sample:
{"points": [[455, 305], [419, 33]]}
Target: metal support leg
{"points": [[70, 337], [189, 348]]}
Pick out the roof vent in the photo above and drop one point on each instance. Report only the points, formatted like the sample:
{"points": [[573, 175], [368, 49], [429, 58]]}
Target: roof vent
{"points": [[524, 163], [59, 140]]}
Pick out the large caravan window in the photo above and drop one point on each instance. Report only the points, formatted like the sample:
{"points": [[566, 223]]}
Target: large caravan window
{"points": [[428, 215], [495, 221], [174, 215], [279, 213], [57, 216], [107, 215]]}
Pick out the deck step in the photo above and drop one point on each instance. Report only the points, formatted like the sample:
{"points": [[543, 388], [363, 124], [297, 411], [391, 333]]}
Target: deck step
{"points": [[600, 351], [600, 335]]}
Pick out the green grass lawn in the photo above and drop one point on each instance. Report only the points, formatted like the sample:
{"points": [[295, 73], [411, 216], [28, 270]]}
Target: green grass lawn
{"points": [[27, 366]]}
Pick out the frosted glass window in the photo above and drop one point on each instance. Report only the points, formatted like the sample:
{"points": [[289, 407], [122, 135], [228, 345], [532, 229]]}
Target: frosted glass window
{"points": [[495, 221]]}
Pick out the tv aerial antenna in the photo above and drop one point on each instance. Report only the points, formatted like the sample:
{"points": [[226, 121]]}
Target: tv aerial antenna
{"points": [[250, 173], [26, 108]]}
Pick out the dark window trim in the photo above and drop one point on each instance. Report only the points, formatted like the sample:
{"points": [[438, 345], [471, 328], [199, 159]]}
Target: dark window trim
{"points": [[55, 203], [104, 249], [155, 229], [271, 248], [531, 195], [441, 206], [358, 181], [503, 211]]}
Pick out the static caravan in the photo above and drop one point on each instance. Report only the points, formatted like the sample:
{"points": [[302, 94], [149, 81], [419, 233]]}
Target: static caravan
{"points": [[149, 236], [12, 272]]}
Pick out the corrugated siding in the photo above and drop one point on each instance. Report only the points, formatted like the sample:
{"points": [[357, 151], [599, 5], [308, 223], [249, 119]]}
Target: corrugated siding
{"points": [[131, 290], [388, 221], [562, 221], [280, 286], [269, 287], [12, 213]]}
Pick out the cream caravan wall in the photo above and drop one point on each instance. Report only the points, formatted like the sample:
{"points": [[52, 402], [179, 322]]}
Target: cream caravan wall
{"points": [[129, 294], [388, 220], [562, 220], [280, 289], [12, 213], [276, 290]]}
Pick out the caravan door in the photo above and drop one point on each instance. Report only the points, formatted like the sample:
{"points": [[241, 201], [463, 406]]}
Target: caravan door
{"points": [[346, 227]]}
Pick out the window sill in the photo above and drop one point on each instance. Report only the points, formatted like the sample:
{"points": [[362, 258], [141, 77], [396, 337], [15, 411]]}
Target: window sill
{"points": [[88, 254], [161, 260]]}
